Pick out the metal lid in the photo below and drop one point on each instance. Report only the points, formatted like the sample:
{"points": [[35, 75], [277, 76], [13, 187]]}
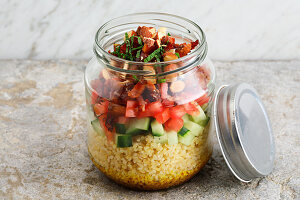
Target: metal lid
{"points": [[244, 131]]}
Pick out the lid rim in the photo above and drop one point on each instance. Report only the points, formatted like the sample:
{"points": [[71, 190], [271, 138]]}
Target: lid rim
{"points": [[229, 163], [228, 129]]}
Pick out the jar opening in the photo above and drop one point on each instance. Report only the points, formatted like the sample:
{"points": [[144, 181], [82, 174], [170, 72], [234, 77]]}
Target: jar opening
{"points": [[113, 32]]}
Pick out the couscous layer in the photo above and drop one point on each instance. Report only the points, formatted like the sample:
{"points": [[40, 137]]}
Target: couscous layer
{"points": [[148, 165]]}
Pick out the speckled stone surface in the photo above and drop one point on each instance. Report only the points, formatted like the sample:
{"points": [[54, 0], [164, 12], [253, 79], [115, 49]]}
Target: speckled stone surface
{"points": [[43, 152]]}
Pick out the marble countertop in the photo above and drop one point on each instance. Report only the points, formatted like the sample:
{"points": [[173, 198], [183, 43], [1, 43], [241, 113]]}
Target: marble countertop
{"points": [[43, 153]]}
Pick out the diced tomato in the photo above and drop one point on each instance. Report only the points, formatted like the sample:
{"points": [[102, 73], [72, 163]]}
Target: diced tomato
{"points": [[173, 124], [164, 90], [132, 104], [94, 97], [101, 108], [163, 116], [154, 108], [131, 112], [191, 109], [203, 100], [177, 111], [131, 109], [167, 103], [137, 90], [145, 113]]}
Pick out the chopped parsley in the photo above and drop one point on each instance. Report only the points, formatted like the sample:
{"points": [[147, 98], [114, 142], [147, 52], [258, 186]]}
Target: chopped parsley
{"points": [[161, 80], [157, 52], [136, 78], [177, 54], [137, 48], [138, 54]]}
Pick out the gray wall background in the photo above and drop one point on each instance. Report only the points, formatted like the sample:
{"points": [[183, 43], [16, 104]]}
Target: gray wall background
{"points": [[236, 30]]}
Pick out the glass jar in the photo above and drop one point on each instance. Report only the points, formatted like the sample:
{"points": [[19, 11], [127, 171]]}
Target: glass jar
{"points": [[149, 124]]}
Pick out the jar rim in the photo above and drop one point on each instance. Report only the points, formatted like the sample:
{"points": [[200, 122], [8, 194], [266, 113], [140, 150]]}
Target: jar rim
{"points": [[199, 52]]}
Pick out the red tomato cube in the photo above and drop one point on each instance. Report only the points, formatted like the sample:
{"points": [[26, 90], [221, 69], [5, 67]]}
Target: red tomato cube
{"points": [[177, 111], [131, 109], [155, 107], [191, 109], [163, 116], [173, 124]]}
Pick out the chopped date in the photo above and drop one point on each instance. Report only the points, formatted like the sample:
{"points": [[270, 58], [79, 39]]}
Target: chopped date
{"points": [[116, 110], [109, 122], [137, 90], [123, 98], [151, 95]]}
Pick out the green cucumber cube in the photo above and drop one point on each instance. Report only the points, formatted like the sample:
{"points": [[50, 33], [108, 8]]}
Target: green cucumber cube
{"points": [[123, 140], [187, 139], [138, 126], [204, 122], [195, 129], [172, 137], [199, 117], [157, 128], [120, 128], [183, 131], [185, 118]]}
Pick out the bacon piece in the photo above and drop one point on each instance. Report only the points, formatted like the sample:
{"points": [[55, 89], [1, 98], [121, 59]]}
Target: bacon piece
{"points": [[144, 31], [183, 49], [194, 44], [167, 38], [149, 45]]}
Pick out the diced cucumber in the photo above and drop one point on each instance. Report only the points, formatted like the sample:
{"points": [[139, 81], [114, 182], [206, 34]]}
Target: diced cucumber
{"points": [[204, 106], [97, 127], [161, 139], [185, 118], [183, 131], [195, 129], [172, 137], [123, 140], [157, 128], [204, 122], [138, 126], [187, 139], [120, 128], [199, 117]]}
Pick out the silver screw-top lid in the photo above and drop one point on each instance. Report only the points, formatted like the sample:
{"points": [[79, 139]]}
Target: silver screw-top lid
{"points": [[244, 131]]}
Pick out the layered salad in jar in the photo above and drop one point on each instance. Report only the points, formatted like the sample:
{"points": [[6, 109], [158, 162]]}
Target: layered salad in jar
{"points": [[150, 131]]}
